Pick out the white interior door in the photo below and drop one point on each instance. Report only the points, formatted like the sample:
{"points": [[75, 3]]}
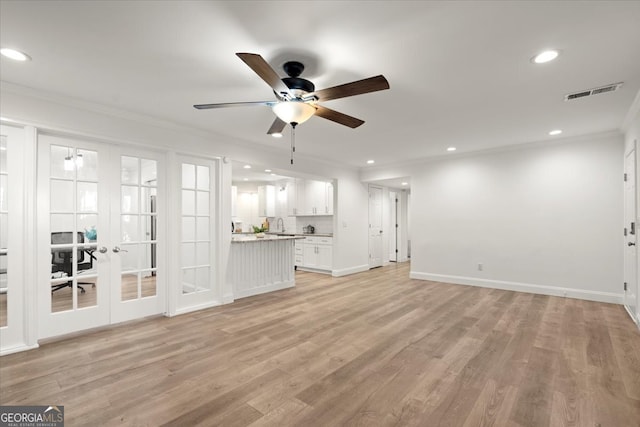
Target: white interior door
{"points": [[137, 233], [12, 252], [73, 198], [630, 224], [375, 227], [94, 253], [393, 224]]}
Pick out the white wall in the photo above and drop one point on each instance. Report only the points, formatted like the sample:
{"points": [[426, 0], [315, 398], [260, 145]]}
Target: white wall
{"points": [[545, 219]]}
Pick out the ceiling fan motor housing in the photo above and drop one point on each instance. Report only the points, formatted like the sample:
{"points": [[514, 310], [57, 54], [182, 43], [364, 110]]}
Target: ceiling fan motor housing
{"points": [[294, 82]]}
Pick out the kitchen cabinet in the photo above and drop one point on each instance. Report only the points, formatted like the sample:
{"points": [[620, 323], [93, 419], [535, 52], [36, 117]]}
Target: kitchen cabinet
{"points": [[329, 191], [267, 200], [316, 198], [295, 197], [309, 197], [315, 253], [234, 201]]}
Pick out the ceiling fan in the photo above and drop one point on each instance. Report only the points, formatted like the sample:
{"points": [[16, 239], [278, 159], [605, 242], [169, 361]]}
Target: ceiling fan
{"points": [[297, 100]]}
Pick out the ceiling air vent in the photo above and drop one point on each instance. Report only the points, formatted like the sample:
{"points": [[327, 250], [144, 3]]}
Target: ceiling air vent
{"points": [[589, 92]]}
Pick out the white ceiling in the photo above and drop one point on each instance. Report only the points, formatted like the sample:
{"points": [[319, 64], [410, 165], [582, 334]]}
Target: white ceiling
{"points": [[460, 72]]}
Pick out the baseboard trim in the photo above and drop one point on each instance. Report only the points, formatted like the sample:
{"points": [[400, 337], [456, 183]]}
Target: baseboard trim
{"points": [[17, 349], [522, 287], [228, 297], [634, 318], [192, 308], [350, 270]]}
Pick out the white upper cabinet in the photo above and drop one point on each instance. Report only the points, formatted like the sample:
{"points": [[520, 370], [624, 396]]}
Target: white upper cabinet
{"points": [[267, 200], [234, 200], [329, 187], [309, 197], [292, 196]]}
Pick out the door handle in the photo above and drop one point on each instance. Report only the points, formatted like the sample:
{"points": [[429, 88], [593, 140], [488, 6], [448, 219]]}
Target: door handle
{"points": [[103, 250], [631, 244], [117, 249]]}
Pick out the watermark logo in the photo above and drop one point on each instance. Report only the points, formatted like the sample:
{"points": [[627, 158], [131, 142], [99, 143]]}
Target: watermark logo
{"points": [[32, 416]]}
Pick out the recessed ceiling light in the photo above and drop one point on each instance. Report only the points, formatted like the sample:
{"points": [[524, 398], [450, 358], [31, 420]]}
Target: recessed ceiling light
{"points": [[546, 56], [370, 162], [555, 132], [16, 55], [404, 183], [267, 170], [273, 174], [276, 135], [247, 166], [245, 179], [451, 149]]}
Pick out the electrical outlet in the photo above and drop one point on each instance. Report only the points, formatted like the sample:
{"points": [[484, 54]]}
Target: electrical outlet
{"points": [[480, 266]]}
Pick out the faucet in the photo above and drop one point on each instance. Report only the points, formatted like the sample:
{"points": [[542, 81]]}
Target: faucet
{"points": [[279, 223]]}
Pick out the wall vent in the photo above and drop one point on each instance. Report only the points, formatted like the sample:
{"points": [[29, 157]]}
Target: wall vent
{"points": [[595, 91]]}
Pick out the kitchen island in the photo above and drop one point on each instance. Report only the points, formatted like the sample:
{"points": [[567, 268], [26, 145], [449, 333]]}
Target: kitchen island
{"points": [[260, 265]]}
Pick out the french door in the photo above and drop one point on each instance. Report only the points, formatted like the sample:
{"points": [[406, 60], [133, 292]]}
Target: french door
{"points": [[100, 234]]}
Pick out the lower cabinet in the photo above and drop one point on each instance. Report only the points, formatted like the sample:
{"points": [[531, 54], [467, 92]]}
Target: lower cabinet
{"points": [[315, 253]]}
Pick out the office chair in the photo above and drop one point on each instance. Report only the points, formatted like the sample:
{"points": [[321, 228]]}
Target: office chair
{"points": [[62, 259]]}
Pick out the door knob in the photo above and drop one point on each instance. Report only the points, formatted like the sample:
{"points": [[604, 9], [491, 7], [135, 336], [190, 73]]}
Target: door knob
{"points": [[631, 244], [103, 250], [117, 249]]}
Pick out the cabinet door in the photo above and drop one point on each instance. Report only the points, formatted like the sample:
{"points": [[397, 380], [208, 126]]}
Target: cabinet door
{"points": [[270, 208], [302, 207], [329, 197], [266, 200], [316, 197], [324, 257], [262, 201], [234, 200], [292, 199], [310, 255]]}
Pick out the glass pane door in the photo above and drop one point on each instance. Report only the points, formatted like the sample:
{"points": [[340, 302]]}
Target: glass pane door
{"points": [[73, 223], [136, 227], [13, 251]]}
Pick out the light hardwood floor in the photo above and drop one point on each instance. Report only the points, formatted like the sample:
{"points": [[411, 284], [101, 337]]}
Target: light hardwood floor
{"points": [[372, 349]]}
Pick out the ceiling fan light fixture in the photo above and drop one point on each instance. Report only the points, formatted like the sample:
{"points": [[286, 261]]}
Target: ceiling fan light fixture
{"points": [[294, 111]]}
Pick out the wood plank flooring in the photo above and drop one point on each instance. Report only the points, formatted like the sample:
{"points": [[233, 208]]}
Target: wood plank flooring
{"points": [[372, 349]]}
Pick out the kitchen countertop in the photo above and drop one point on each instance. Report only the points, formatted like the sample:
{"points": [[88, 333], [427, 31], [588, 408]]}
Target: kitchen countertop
{"points": [[279, 233], [249, 238]]}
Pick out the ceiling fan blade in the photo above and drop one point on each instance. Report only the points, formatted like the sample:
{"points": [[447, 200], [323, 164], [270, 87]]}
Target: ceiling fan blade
{"points": [[372, 84], [234, 104], [335, 116], [264, 70], [277, 126]]}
